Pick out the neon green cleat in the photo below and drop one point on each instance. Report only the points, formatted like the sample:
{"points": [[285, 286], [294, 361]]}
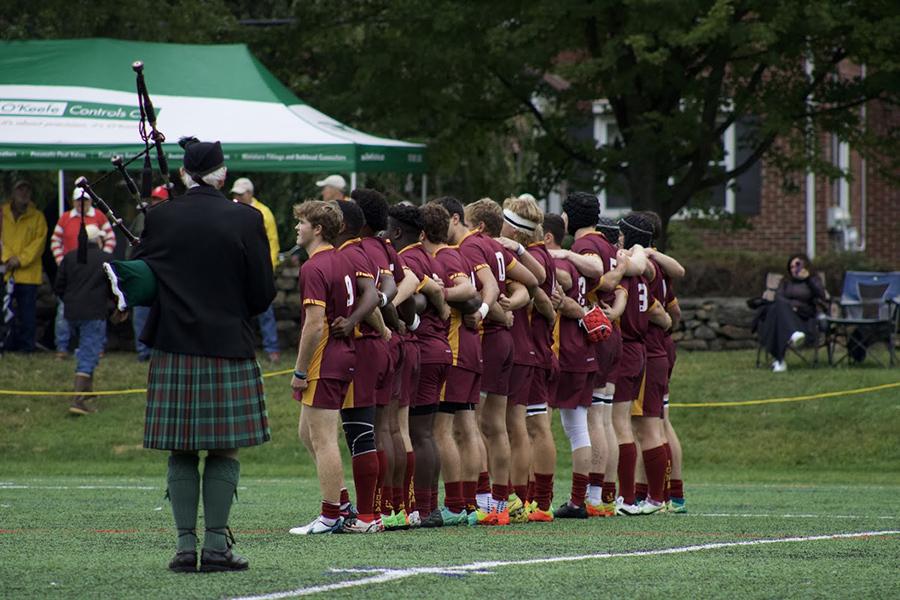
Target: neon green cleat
{"points": [[517, 512], [677, 505], [478, 517]]}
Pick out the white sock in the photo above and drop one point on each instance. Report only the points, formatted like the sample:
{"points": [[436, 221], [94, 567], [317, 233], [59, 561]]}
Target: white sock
{"points": [[483, 501], [595, 494]]}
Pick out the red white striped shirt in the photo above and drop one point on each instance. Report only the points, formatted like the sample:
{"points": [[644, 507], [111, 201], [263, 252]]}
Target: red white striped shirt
{"points": [[65, 234]]}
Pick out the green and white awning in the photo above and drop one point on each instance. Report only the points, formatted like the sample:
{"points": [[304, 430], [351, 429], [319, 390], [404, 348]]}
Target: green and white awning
{"points": [[71, 104]]}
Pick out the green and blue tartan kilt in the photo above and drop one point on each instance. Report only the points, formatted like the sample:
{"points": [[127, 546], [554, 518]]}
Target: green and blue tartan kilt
{"points": [[204, 403]]}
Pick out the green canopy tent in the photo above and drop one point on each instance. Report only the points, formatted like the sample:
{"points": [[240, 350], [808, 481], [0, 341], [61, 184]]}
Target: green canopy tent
{"points": [[71, 104]]}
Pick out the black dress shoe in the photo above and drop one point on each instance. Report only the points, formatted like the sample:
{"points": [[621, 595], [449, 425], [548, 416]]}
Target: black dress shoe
{"points": [[213, 561], [185, 561]]}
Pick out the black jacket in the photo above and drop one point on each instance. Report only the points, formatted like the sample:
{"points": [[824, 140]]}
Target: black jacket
{"points": [[211, 260], [84, 289]]}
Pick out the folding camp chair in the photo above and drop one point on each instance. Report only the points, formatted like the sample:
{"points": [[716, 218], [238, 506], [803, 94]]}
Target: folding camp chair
{"points": [[867, 313], [763, 358]]}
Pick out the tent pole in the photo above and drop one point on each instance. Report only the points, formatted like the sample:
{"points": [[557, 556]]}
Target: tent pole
{"points": [[61, 184], [424, 187], [352, 181]]}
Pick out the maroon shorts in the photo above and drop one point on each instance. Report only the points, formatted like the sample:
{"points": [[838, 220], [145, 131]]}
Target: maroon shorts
{"points": [[462, 386], [631, 372], [543, 387], [324, 393], [407, 377], [386, 388], [520, 383], [497, 351], [670, 352], [431, 381], [609, 354], [650, 399], [371, 367], [573, 390]]}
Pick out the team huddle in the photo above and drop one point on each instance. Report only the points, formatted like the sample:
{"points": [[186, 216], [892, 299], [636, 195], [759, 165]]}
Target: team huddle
{"points": [[442, 337]]}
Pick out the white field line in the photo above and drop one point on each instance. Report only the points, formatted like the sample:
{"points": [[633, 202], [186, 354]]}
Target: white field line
{"points": [[789, 516], [385, 575], [16, 486]]}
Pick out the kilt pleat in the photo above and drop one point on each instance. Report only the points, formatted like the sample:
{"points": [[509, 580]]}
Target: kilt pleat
{"points": [[204, 403]]}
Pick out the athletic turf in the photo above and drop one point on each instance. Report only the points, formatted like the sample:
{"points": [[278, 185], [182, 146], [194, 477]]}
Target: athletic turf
{"points": [[82, 513]]}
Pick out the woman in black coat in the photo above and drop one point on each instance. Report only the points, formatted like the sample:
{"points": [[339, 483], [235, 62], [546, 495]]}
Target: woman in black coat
{"points": [[791, 318]]}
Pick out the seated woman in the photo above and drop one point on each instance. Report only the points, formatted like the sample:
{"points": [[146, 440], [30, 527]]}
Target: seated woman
{"points": [[791, 318]]}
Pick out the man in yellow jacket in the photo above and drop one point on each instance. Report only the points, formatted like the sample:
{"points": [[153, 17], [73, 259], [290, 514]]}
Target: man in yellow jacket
{"points": [[23, 236], [242, 191]]}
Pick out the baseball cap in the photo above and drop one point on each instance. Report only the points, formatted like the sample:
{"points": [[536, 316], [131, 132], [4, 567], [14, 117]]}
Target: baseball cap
{"points": [[335, 181], [20, 183], [159, 192], [242, 185], [79, 193]]}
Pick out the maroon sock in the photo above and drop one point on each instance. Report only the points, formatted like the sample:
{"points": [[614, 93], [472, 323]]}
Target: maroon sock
{"points": [[521, 491], [500, 493], [387, 500], [345, 496], [640, 491], [627, 465], [434, 499], [609, 492], [595, 479], [365, 477], [529, 493], [677, 489], [330, 510], [422, 499], [398, 498], [579, 488], [408, 489], [543, 490], [484, 483], [454, 496], [667, 488], [379, 481], [468, 493], [655, 465]]}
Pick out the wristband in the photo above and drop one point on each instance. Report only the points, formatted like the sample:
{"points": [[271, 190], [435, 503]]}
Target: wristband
{"points": [[415, 324], [483, 311], [520, 250], [299, 374], [383, 299]]}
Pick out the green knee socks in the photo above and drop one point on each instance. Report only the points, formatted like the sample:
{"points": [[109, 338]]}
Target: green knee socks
{"points": [[184, 493], [220, 480]]}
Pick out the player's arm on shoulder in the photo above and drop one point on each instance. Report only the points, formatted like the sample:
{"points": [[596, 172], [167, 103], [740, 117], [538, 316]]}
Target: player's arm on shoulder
{"points": [[461, 290], [669, 265], [408, 286], [636, 260], [525, 258], [543, 305], [564, 279], [518, 272], [516, 296], [613, 277], [434, 293], [489, 288], [589, 265], [570, 309]]}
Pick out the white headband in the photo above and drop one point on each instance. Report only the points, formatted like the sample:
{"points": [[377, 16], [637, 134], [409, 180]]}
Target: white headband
{"points": [[518, 222]]}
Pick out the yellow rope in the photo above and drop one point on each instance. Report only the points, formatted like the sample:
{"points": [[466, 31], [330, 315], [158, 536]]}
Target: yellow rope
{"points": [[854, 392]]}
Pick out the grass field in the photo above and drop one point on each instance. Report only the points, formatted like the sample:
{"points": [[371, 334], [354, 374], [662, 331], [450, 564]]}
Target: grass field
{"points": [[82, 513]]}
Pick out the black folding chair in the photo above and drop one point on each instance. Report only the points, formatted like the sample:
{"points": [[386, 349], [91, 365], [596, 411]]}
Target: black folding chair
{"points": [[813, 341], [867, 313]]}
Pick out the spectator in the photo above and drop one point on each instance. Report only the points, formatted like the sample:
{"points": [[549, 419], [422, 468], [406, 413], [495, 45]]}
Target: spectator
{"points": [[23, 237], [791, 318], [333, 188], [84, 291], [242, 191], [139, 314], [64, 240]]}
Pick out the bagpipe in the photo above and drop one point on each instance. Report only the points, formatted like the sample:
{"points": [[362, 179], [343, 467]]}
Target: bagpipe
{"points": [[152, 139]]}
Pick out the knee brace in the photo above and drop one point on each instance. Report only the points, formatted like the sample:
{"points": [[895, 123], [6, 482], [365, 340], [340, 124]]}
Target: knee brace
{"points": [[359, 429], [574, 422]]}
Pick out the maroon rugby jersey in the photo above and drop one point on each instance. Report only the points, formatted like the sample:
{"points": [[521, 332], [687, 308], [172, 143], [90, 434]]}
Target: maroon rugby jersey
{"points": [[570, 344], [327, 279], [655, 339], [362, 266], [465, 343], [541, 328], [595, 243], [635, 320], [480, 249], [431, 335]]}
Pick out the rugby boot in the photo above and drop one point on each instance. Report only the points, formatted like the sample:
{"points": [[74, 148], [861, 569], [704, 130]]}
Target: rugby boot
{"points": [[452, 519], [649, 507], [502, 517], [677, 505], [414, 520], [600, 510], [317, 526], [357, 525], [435, 519], [185, 561], [213, 561], [570, 511], [480, 517], [629, 510], [540, 516], [517, 510]]}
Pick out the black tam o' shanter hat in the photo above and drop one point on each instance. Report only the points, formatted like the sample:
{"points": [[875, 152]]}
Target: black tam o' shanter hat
{"points": [[201, 158]]}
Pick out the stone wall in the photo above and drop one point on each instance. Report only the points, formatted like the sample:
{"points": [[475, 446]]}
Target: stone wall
{"points": [[714, 324]]}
